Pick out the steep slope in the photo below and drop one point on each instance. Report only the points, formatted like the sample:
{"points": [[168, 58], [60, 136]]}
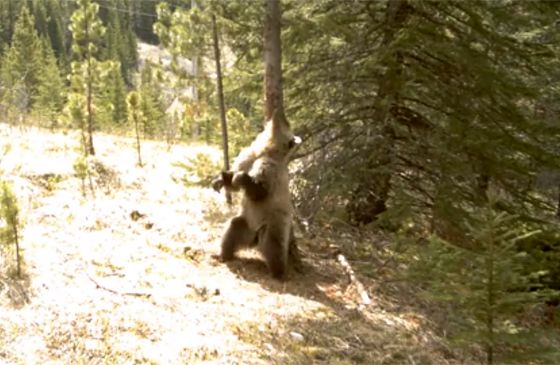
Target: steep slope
{"points": [[129, 276]]}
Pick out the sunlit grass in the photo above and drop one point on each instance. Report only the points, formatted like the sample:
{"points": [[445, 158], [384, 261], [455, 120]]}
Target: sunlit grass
{"points": [[129, 276]]}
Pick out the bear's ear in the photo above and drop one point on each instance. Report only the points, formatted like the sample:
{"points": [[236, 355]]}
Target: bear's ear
{"points": [[294, 142]]}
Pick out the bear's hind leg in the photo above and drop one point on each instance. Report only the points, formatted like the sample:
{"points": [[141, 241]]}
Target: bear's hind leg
{"points": [[274, 247]]}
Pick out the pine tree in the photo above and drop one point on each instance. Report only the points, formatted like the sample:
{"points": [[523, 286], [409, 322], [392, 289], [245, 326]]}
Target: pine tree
{"points": [[188, 33], [55, 14], [49, 100], [113, 36], [128, 50], [87, 33], [22, 63], [151, 103], [143, 20], [487, 286], [136, 118], [9, 11], [111, 97], [240, 129], [9, 214], [129, 54], [39, 12]]}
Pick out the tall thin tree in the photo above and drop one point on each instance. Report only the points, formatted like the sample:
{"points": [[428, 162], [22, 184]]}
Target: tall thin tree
{"points": [[87, 32], [221, 102], [273, 91]]}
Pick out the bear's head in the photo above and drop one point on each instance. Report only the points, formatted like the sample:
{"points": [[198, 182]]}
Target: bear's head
{"points": [[276, 141]]}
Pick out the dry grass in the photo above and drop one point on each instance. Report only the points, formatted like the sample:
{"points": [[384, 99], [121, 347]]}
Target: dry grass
{"points": [[105, 285]]}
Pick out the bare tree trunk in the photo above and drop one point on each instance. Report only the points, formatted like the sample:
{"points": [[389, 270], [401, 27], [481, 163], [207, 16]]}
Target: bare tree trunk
{"points": [[16, 240], [89, 98], [137, 140], [558, 203], [274, 98], [195, 127], [221, 101], [84, 138], [89, 102]]}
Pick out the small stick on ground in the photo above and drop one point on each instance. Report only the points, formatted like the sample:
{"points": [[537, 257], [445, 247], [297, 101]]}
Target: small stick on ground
{"points": [[134, 294], [354, 280]]}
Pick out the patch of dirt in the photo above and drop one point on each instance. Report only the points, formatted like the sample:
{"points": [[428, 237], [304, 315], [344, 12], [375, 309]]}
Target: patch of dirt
{"points": [[128, 277]]}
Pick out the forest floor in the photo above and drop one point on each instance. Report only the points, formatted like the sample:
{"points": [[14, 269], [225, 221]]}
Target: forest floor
{"points": [[129, 277]]}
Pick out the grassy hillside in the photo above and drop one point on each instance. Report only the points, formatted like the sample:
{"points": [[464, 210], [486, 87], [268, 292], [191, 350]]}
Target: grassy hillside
{"points": [[129, 277]]}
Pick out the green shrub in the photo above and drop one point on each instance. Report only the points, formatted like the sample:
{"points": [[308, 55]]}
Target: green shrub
{"points": [[11, 225], [199, 169]]}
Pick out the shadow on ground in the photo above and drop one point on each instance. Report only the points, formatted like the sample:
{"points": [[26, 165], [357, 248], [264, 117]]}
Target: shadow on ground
{"points": [[343, 333]]}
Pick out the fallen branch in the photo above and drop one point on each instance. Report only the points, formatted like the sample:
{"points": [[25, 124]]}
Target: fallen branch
{"points": [[354, 280], [134, 294]]}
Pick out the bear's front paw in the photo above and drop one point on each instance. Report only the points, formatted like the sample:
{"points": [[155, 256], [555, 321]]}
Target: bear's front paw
{"points": [[241, 179], [217, 183], [222, 180]]}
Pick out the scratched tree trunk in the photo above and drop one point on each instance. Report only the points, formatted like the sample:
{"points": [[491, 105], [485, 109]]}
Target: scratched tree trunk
{"points": [[273, 94]]}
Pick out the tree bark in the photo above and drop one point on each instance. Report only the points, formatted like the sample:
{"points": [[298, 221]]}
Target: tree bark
{"points": [[16, 241], [274, 98], [89, 101], [89, 96], [221, 102], [137, 139]]}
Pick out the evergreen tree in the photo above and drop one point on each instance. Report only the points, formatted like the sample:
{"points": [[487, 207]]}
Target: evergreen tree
{"points": [[129, 56], [412, 112], [151, 103], [39, 12], [87, 34], [113, 36], [240, 130], [187, 34], [49, 100], [128, 51], [112, 95], [55, 26], [9, 11], [488, 286], [144, 16], [10, 232], [120, 40], [136, 118], [22, 64]]}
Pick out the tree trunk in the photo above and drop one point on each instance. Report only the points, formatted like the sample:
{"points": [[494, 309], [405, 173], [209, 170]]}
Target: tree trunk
{"points": [[558, 203], [490, 302], [369, 198], [89, 101], [18, 257], [221, 101], [195, 127], [89, 96], [274, 98], [137, 139]]}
